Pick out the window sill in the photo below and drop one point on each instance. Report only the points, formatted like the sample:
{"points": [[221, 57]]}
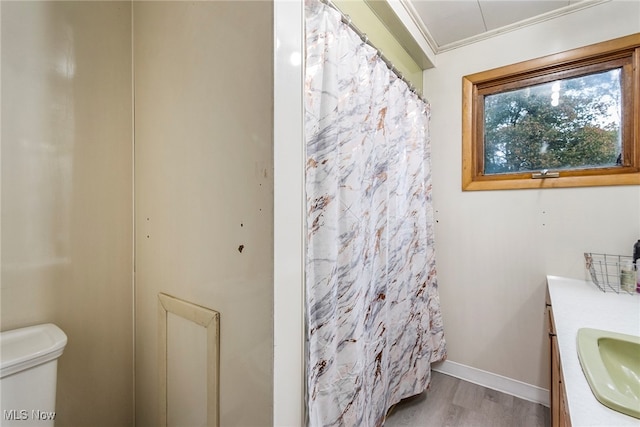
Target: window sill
{"points": [[492, 183]]}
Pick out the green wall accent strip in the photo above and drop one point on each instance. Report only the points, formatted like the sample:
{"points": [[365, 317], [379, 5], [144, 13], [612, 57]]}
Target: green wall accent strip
{"points": [[369, 23]]}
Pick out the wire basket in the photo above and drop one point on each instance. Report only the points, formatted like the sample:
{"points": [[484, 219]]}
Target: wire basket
{"points": [[607, 272]]}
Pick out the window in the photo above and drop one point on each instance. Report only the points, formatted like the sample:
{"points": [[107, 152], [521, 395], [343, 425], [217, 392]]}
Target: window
{"points": [[566, 120]]}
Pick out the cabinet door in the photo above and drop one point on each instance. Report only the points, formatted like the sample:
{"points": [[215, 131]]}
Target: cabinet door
{"points": [[559, 408], [555, 382], [565, 421], [555, 368]]}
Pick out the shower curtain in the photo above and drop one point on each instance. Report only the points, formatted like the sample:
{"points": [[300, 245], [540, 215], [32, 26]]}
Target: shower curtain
{"points": [[373, 319]]}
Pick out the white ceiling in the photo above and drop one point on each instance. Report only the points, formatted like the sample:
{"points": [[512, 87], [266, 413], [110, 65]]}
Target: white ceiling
{"points": [[448, 24]]}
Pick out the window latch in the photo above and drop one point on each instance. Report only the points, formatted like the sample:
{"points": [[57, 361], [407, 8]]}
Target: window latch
{"points": [[544, 173]]}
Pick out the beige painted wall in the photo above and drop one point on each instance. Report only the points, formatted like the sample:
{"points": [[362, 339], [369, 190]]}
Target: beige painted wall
{"points": [[204, 189], [67, 195], [495, 248]]}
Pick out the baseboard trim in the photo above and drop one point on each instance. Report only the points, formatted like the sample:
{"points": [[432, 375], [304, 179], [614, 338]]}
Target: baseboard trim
{"points": [[494, 381]]}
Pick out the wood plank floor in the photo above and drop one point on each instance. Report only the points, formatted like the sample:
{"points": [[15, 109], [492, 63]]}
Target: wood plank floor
{"points": [[451, 402]]}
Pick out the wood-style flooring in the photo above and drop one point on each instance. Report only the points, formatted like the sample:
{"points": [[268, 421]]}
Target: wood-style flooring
{"points": [[451, 402]]}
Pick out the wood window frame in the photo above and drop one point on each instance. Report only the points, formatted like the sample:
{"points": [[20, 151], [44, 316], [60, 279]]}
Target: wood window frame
{"points": [[561, 65]]}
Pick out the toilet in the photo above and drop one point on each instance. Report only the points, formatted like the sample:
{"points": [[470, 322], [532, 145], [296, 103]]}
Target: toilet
{"points": [[28, 371]]}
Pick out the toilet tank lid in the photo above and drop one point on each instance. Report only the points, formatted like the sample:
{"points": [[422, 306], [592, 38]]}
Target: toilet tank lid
{"points": [[24, 348]]}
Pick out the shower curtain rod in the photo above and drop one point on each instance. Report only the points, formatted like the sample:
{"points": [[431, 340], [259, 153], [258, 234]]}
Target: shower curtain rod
{"points": [[346, 19]]}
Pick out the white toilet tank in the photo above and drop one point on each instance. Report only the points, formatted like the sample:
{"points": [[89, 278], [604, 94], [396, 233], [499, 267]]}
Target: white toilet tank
{"points": [[28, 371]]}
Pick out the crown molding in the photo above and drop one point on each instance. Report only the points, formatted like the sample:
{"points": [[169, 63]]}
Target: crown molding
{"points": [[571, 8]]}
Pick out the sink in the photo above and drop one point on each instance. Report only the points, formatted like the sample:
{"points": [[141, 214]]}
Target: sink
{"points": [[611, 363]]}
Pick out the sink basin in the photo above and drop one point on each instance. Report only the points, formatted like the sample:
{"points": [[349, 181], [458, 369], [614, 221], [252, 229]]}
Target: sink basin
{"points": [[611, 364]]}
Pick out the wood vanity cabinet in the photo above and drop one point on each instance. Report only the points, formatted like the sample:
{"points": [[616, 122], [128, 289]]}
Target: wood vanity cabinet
{"points": [[559, 407]]}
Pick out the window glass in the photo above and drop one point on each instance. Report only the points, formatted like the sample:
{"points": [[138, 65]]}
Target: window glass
{"points": [[565, 124]]}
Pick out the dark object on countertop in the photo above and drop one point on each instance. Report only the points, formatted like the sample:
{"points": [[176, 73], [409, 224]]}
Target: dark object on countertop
{"points": [[636, 252]]}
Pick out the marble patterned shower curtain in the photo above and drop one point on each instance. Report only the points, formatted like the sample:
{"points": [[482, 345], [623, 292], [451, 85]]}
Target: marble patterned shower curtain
{"points": [[373, 315]]}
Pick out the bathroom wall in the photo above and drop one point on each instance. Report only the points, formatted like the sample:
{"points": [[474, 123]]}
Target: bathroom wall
{"points": [[494, 248], [204, 194], [67, 195]]}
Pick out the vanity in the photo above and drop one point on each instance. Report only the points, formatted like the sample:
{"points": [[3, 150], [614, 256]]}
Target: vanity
{"points": [[571, 305]]}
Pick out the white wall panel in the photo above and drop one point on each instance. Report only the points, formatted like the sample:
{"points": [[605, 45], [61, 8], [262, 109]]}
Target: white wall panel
{"points": [[289, 212]]}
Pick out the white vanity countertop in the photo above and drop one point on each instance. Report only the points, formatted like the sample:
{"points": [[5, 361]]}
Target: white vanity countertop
{"points": [[579, 304]]}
